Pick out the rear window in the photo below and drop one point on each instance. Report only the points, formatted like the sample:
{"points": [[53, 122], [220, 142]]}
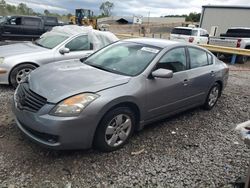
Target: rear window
{"points": [[182, 31], [237, 32], [50, 20]]}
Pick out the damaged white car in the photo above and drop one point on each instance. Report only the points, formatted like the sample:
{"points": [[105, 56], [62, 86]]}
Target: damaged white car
{"points": [[61, 43]]}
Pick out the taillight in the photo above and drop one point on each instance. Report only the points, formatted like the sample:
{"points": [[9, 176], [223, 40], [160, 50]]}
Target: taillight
{"points": [[238, 43], [191, 39]]}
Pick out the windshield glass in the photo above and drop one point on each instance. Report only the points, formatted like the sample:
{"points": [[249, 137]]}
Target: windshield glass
{"points": [[2, 19], [50, 41], [126, 58]]}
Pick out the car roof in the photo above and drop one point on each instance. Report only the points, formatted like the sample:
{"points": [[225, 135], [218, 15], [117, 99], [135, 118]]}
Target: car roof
{"points": [[24, 16], [190, 28], [162, 43]]}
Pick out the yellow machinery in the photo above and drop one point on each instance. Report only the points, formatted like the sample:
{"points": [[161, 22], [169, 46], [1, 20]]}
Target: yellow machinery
{"points": [[84, 17]]}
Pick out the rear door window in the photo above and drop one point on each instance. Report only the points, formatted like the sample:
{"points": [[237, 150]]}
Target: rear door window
{"points": [[198, 57]]}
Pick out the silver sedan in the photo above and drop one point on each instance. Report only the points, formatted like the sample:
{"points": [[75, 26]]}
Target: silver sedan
{"points": [[18, 60], [102, 100]]}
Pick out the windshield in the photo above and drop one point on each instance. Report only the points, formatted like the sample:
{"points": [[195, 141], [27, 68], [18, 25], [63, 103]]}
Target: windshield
{"points": [[182, 31], [126, 58], [3, 19], [50, 41]]}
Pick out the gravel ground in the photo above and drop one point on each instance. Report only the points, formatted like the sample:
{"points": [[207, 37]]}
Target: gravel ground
{"points": [[194, 149]]}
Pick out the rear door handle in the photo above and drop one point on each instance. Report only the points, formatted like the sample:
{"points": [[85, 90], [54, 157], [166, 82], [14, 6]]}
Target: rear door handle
{"points": [[212, 73], [185, 82]]}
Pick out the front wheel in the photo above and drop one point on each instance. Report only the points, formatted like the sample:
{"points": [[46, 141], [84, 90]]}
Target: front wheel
{"points": [[19, 73], [115, 129], [212, 97]]}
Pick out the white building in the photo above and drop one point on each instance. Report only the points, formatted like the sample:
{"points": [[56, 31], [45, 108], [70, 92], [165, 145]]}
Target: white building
{"points": [[145, 20], [217, 19]]}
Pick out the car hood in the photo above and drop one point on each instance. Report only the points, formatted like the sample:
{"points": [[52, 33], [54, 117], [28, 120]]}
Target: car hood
{"points": [[20, 49], [60, 80]]}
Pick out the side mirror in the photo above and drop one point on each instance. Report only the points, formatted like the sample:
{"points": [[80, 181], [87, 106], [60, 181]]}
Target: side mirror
{"points": [[162, 73], [64, 50]]}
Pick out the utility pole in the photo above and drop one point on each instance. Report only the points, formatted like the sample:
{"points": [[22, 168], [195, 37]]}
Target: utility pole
{"points": [[148, 17]]}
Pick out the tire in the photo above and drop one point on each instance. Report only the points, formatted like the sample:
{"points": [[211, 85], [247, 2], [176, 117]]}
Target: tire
{"points": [[212, 97], [242, 59], [19, 73], [115, 129]]}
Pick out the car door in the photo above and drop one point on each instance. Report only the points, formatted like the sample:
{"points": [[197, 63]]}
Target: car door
{"points": [[168, 95], [201, 74], [12, 29], [79, 47], [32, 27]]}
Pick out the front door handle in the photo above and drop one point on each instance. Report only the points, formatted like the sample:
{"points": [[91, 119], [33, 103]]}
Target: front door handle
{"points": [[212, 73], [185, 82]]}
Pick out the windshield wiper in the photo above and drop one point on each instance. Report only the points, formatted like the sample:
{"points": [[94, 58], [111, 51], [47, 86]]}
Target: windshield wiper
{"points": [[98, 67], [36, 43], [104, 69]]}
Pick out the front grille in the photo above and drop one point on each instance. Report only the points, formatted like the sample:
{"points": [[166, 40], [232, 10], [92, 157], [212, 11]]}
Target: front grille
{"points": [[29, 100]]}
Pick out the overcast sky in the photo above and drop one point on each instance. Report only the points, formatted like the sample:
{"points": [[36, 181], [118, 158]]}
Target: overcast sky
{"points": [[128, 7]]}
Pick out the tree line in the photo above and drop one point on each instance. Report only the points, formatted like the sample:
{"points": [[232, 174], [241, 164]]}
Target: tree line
{"points": [[23, 9], [105, 9], [192, 17]]}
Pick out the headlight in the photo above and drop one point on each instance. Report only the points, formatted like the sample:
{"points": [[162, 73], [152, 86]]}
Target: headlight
{"points": [[1, 60], [73, 106]]}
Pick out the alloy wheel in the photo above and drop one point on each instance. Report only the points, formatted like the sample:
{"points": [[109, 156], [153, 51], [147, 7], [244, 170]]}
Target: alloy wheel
{"points": [[22, 74], [213, 96], [118, 130]]}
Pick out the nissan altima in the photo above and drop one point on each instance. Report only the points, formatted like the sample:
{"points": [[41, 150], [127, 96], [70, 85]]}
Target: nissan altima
{"points": [[100, 101]]}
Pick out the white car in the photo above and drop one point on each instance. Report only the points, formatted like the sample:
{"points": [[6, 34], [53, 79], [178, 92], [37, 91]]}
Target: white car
{"points": [[190, 35], [61, 43]]}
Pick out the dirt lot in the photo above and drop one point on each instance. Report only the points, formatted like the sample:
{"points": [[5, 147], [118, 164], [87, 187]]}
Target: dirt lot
{"points": [[194, 149]]}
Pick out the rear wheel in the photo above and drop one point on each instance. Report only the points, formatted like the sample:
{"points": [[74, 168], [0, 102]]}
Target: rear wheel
{"points": [[242, 59], [115, 129], [212, 97], [19, 73]]}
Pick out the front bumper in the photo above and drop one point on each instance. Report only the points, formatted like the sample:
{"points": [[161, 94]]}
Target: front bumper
{"points": [[4, 75], [56, 132]]}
